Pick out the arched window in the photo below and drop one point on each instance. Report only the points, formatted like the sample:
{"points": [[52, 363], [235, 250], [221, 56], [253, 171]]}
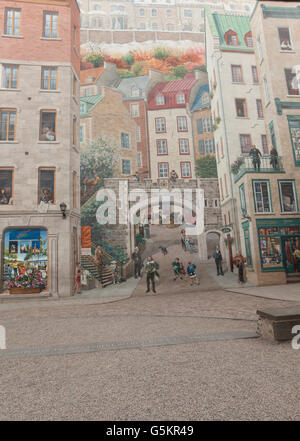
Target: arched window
{"points": [[231, 38], [248, 39]]}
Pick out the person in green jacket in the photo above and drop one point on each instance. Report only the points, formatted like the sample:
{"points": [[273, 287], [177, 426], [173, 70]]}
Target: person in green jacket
{"points": [[177, 268]]}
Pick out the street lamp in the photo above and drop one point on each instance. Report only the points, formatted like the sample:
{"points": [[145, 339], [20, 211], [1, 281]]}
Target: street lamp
{"points": [[63, 208]]}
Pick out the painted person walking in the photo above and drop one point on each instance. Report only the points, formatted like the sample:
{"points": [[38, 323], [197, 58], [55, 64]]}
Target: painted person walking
{"points": [[218, 259], [137, 262], [177, 268], [151, 271], [191, 271]]}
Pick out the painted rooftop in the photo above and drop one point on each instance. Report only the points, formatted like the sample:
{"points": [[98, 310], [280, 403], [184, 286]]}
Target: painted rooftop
{"points": [[87, 103], [198, 104], [90, 76], [127, 85], [169, 90], [221, 23]]}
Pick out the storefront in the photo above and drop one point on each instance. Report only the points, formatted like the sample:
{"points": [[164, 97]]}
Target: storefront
{"points": [[278, 239], [25, 251]]}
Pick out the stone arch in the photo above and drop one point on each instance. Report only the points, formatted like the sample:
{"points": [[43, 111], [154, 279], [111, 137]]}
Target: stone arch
{"points": [[205, 251]]}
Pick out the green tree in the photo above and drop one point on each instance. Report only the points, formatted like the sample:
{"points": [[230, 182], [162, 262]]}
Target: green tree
{"points": [[201, 68], [128, 59], [179, 71], [138, 68], [206, 167], [161, 53], [96, 58]]}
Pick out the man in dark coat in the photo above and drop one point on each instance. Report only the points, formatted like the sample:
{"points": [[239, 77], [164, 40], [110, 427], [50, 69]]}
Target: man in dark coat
{"points": [[137, 262], [151, 271], [255, 155], [218, 259]]}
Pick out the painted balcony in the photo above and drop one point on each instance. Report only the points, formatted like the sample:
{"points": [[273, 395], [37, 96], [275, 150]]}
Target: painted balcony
{"points": [[246, 166]]}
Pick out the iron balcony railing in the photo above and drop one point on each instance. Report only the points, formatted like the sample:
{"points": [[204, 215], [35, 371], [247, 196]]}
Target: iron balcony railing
{"points": [[245, 164]]}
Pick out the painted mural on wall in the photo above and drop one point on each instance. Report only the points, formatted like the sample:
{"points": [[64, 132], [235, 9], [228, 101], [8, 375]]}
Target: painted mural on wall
{"points": [[25, 253]]}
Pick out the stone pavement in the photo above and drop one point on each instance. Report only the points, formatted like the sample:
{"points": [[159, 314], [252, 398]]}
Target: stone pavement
{"points": [[187, 353]]}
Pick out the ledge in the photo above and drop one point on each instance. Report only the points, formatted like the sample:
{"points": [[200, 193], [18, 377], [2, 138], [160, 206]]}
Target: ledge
{"points": [[11, 36], [9, 142], [48, 142], [50, 39], [50, 90], [6, 89]]}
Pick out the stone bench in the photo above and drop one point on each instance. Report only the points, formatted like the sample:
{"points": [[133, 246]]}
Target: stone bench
{"points": [[276, 324]]}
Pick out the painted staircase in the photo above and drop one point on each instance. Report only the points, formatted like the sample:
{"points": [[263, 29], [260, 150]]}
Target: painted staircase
{"points": [[105, 278]]}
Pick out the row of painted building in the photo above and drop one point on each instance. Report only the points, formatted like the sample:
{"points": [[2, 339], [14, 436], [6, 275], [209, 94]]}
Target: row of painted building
{"points": [[155, 126], [254, 73]]}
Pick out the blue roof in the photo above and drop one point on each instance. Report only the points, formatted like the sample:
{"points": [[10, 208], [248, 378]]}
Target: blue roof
{"points": [[197, 104]]}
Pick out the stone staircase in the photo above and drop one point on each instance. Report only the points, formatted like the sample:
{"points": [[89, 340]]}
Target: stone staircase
{"points": [[105, 278]]}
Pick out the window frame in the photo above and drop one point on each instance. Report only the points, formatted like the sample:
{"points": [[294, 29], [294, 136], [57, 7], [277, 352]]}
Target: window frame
{"points": [[178, 118], [267, 181], [264, 144], [188, 146], [255, 79], [156, 124], [12, 170], [250, 143], [158, 141], [259, 109], [51, 13], [41, 121], [39, 183], [179, 97], [292, 181], [14, 10], [134, 106], [9, 111], [129, 140], [290, 39], [122, 169], [158, 170], [245, 110], [74, 178], [234, 66], [11, 67], [49, 68], [182, 163]]}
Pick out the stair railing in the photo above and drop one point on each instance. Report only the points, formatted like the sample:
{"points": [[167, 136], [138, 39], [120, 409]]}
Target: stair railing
{"points": [[110, 259]]}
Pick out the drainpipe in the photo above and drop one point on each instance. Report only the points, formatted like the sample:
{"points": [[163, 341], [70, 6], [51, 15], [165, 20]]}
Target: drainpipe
{"points": [[235, 226]]}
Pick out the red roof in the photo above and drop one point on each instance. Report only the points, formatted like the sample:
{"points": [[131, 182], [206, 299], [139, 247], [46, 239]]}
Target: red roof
{"points": [[169, 90], [90, 76]]}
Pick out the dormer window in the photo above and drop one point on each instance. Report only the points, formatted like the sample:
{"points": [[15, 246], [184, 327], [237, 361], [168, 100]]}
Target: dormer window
{"points": [[231, 38], [180, 98], [135, 91], [248, 39], [205, 98], [160, 100]]}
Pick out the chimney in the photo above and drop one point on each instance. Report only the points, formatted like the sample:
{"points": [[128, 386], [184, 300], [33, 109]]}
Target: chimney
{"points": [[201, 76]]}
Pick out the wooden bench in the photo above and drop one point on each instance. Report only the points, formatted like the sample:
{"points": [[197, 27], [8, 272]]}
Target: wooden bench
{"points": [[276, 324]]}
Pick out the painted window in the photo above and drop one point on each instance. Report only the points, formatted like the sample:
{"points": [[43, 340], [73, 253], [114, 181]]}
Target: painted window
{"points": [[247, 246], [184, 148], [162, 147], [154, 12], [185, 169], [74, 137], [125, 140], [48, 125], [7, 124], [285, 39], [138, 134], [182, 123], [49, 78], [180, 98], [292, 82], [10, 76], [46, 190], [272, 135], [169, 12], [142, 12], [6, 186], [204, 125], [254, 74], [248, 39], [187, 13], [243, 199], [231, 38], [241, 108], [139, 160], [81, 133], [50, 24], [134, 110], [154, 26], [209, 146], [163, 170], [259, 108], [74, 189], [259, 49], [205, 98], [12, 21], [160, 100], [245, 142], [266, 90], [288, 199], [262, 196], [126, 166], [264, 144], [294, 126], [170, 27], [160, 125], [270, 248], [237, 74], [135, 91], [201, 147]]}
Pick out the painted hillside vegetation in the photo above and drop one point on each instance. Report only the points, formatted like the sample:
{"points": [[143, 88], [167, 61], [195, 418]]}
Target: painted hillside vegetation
{"points": [[174, 62]]}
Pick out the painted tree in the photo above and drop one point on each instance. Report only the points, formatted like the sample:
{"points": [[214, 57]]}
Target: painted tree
{"points": [[206, 167]]}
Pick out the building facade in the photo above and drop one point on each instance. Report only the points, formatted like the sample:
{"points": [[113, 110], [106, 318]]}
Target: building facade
{"points": [[91, 80], [252, 66], [105, 115], [123, 21], [170, 128], [39, 137]]}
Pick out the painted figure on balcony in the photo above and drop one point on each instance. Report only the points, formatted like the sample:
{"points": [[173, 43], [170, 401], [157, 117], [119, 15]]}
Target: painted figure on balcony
{"points": [[255, 155], [274, 158], [173, 176]]}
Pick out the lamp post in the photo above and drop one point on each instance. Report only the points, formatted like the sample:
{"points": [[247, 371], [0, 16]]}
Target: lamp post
{"points": [[63, 208]]}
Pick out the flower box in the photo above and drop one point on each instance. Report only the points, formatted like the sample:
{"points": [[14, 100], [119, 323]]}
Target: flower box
{"points": [[24, 290]]}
